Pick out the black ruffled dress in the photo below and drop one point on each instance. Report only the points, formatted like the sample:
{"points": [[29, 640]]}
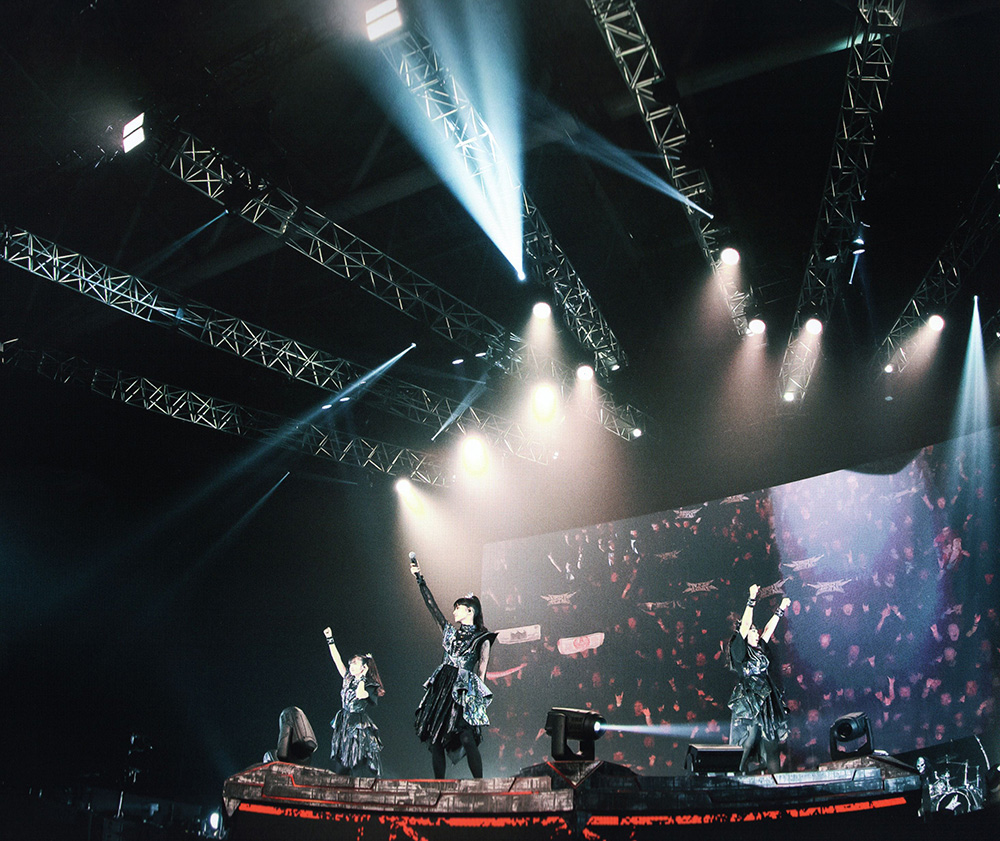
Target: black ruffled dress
{"points": [[455, 697], [356, 743], [756, 699]]}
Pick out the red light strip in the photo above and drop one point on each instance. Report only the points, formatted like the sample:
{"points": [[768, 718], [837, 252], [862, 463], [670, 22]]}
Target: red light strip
{"points": [[735, 817]]}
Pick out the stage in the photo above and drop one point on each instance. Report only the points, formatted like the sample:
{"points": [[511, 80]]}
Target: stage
{"points": [[589, 800]]}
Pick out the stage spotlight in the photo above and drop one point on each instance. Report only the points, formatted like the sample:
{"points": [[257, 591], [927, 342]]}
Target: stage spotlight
{"points": [[936, 323], [850, 728], [730, 256], [858, 246], [756, 326], [457, 361], [132, 134], [544, 403], [541, 310], [584, 726], [382, 19], [408, 494], [636, 432], [475, 456], [889, 368], [788, 396], [585, 373], [814, 326]]}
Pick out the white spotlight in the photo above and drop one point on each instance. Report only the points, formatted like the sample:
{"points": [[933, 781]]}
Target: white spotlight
{"points": [[544, 403], [730, 256], [132, 134], [756, 326], [814, 326], [475, 457], [382, 19], [889, 368], [457, 361], [936, 323], [789, 396], [637, 433], [585, 373], [402, 486], [541, 310]]}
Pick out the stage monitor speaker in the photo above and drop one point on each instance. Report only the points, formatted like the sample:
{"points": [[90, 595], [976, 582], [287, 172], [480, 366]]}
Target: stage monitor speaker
{"points": [[713, 759]]}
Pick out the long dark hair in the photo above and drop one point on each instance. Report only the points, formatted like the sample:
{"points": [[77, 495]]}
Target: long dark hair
{"points": [[473, 602], [373, 675]]}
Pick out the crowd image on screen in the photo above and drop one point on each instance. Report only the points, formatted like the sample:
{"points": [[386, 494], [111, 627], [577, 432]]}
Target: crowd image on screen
{"points": [[893, 613]]}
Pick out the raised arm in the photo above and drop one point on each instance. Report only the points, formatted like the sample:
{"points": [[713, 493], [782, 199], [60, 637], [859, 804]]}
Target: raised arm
{"points": [[425, 591], [334, 653], [747, 619], [772, 623]]}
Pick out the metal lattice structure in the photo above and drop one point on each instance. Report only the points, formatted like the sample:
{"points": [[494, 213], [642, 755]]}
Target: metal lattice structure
{"points": [[309, 232], [872, 51], [633, 52], [131, 295], [441, 97], [969, 241], [224, 416]]}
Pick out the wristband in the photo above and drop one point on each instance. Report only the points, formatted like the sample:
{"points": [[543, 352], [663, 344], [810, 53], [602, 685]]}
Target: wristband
{"points": [[779, 612], [751, 602], [329, 640]]}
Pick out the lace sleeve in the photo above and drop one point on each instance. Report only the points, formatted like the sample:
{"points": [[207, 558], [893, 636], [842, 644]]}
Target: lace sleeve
{"points": [[435, 611]]}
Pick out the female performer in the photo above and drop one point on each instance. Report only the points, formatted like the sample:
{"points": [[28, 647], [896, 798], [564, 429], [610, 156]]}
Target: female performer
{"points": [[760, 718], [452, 713], [356, 749]]}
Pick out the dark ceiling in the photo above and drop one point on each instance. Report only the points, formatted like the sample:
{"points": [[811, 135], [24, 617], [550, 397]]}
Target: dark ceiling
{"points": [[760, 87]]}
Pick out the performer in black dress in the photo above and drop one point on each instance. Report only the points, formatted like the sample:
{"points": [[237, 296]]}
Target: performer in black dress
{"points": [[760, 718], [452, 713], [356, 749]]}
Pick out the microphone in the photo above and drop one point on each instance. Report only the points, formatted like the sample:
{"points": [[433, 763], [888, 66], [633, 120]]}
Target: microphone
{"points": [[413, 557]]}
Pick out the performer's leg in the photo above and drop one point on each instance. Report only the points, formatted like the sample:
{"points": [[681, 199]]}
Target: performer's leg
{"points": [[437, 760], [468, 740], [771, 748], [753, 733]]}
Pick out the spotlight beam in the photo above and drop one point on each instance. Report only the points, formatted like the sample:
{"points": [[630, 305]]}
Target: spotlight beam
{"points": [[307, 231], [220, 330]]}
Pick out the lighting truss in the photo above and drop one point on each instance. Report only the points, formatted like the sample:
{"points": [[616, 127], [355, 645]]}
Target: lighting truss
{"points": [[969, 241], [413, 57], [871, 55], [633, 52], [225, 416], [334, 248], [296, 360]]}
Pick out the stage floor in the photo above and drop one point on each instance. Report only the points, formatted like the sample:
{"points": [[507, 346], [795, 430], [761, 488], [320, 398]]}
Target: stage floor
{"points": [[566, 800]]}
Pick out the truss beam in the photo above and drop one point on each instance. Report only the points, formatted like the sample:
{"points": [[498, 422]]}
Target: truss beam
{"points": [[307, 231], [872, 51], [633, 52], [224, 416], [969, 241], [263, 347]]}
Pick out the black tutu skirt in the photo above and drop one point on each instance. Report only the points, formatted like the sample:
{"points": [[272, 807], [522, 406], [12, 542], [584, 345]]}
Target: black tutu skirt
{"points": [[756, 701], [439, 720], [356, 742]]}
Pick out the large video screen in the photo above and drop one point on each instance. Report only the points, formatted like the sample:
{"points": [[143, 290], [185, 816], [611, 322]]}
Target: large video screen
{"points": [[894, 614]]}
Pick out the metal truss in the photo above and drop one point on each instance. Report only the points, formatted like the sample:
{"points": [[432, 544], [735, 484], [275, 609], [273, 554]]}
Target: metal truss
{"points": [[871, 55], [969, 241], [637, 61], [413, 57], [263, 347], [310, 233], [224, 416]]}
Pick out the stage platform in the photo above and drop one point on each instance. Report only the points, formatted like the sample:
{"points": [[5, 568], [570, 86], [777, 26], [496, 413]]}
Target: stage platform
{"points": [[568, 800]]}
